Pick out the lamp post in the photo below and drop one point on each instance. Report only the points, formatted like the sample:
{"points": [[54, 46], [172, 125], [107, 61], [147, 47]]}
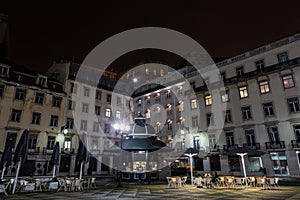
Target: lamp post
{"points": [[190, 155]]}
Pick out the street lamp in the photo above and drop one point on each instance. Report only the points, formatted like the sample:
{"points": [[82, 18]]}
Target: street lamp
{"points": [[244, 168]]}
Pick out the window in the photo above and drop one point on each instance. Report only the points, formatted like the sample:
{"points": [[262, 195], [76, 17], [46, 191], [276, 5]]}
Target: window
{"points": [[36, 118], [20, 94], [71, 105], [148, 114], [293, 104], [94, 144], [16, 115], [13, 137], [264, 87], [193, 85], [246, 112], [3, 71], [208, 100], [67, 143], [154, 72], [108, 98], [86, 91], [85, 107], [19, 78], [147, 71], [210, 119], [118, 101], [243, 92], [127, 103], [212, 141], [39, 98], [260, 65], [70, 123], [118, 114], [162, 72], [54, 120], [240, 71], [50, 142], [288, 81], [41, 81], [250, 137], [195, 122], [106, 128], [273, 134], [168, 93], [268, 109], [282, 57], [107, 112], [97, 110], [223, 76], [180, 106], [297, 132], [225, 96], [197, 142], [83, 125], [56, 102], [98, 94], [32, 139], [169, 125], [194, 103], [73, 88], [1, 90], [229, 139], [227, 116], [96, 126]]}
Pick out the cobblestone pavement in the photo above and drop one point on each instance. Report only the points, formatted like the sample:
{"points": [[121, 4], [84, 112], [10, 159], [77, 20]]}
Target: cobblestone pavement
{"points": [[163, 192]]}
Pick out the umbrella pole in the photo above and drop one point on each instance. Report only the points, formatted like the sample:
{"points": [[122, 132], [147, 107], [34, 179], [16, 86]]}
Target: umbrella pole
{"points": [[17, 174], [244, 168], [3, 170], [191, 168], [81, 167], [54, 169]]}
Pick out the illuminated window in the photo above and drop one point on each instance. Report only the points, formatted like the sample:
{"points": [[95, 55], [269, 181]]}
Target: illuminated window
{"points": [[208, 100], [243, 92], [264, 87], [162, 72], [154, 72], [118, 114], [107, 112], [180, 106], [194, 103], [147, 71], [225, 96], [148, 114], [288, 81]]}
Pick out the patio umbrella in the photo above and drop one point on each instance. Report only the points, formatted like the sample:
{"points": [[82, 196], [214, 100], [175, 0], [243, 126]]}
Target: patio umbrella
{"points": [[54, 161], [190, 152], [83, 154], [242, 151], [21, 154], [6, 156]]}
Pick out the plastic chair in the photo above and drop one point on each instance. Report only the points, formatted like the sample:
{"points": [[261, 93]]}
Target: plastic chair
{"points": [[93, 182], [171, 182], [62, 184], [183, 180], [78, 185]]}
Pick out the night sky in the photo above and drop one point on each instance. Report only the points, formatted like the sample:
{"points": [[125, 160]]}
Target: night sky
{"points": [[42, 31]]}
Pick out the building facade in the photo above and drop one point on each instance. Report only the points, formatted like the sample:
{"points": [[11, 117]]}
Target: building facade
{"points": [[261, 111]]}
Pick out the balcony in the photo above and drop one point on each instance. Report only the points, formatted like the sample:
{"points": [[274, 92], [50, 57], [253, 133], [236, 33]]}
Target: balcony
{"points": [[295, 143], [216, 148], [255, 146], [227, 148], [67, 150], [275, 145], [34, 150]]}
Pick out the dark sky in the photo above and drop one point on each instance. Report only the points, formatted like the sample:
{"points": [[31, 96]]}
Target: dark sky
{"points": [[42, 31]]}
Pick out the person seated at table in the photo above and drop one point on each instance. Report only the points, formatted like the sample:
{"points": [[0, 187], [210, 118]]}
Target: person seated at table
{"points": [[215, 177], [207, 175]]}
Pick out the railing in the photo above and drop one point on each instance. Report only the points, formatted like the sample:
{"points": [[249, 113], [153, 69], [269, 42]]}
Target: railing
{"points": [[295, 144], [34, 151], [215, 149], [255, 146], [227, 148], [275, 145], [67, 150]]}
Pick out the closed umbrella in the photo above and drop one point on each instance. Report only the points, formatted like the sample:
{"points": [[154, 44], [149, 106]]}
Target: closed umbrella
{"points": [[83, 154], [21, 154], [55, 158], [6, 156]]}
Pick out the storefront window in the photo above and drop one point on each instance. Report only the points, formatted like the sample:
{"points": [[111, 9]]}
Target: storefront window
{"points": [[280, 165], [215, 163], [234, 163], [255, 164]]}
